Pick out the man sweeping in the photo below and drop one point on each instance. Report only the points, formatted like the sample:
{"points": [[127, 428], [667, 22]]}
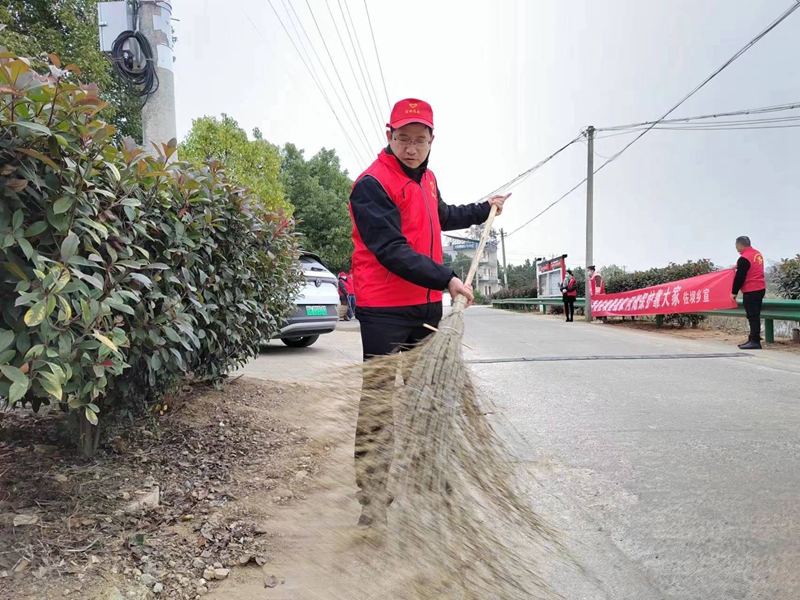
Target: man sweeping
{"points": [[398, 216]]}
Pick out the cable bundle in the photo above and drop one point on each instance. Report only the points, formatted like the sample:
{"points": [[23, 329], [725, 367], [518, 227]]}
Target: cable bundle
{"points": [[143, 81]]}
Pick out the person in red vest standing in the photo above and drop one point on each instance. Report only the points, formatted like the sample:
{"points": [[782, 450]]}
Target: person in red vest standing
{"points": [[351, 293], [398, 217], [598, 285], [569, 289], [750, 280]]}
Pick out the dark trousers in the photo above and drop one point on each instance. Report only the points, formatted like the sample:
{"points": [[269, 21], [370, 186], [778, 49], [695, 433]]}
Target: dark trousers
{"points": [[374, 445], [752, 307], [569, 307], [351, 305]]}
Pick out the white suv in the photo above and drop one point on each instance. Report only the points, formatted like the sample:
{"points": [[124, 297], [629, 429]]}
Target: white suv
{"points": [[317, 305]]}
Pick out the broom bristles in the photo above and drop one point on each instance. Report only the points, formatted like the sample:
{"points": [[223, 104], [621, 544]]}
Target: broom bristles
{"points": [[452, 481]]}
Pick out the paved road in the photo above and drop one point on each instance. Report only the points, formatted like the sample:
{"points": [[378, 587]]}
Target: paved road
{"points": [[673, 478]]}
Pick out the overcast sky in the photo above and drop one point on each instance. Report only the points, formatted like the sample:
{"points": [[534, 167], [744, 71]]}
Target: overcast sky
{"points": [[512, 81]]}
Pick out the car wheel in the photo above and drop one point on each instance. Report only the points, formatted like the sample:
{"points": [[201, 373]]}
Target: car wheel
{"points": [[303, 342]]}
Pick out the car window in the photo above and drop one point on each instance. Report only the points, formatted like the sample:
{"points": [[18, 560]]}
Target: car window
{"points": [[310, 264]]}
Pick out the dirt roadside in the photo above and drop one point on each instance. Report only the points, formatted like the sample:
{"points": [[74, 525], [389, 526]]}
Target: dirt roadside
{"points": [[219, 482]]}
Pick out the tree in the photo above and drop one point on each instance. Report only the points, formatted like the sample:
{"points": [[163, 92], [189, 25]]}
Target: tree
{"points": [[461, 264], [319, 191], [68, 29], [611, 271], [786, 276], [579, 273], [521, 276], [254, 164], [476, 231]]}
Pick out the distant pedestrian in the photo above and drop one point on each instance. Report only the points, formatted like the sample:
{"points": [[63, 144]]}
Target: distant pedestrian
{"points": [[750, 280], [598, 286], [344, 295], [569, 290], [351, 294]]}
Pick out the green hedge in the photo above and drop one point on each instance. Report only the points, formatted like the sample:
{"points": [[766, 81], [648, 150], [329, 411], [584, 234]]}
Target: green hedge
{"points": [[786, 276], [121, 272], [673, 272]]}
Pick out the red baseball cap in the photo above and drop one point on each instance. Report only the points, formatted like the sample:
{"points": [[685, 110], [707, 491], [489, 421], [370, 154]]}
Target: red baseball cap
{"points": [[411, 110]]}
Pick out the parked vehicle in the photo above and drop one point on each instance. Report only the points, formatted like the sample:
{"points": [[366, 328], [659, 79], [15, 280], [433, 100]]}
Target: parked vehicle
{"points": [[317, 305]]}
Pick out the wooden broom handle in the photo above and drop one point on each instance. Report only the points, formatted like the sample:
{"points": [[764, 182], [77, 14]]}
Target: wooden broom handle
{"points": [[461, 301]]}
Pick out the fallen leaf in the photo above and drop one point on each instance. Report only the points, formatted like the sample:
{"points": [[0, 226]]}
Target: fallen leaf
{"points": [[23, 520], [22, 565], [270, 581]]}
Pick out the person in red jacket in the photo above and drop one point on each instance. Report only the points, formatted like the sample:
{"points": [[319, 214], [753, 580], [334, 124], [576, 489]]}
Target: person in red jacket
{"points": [[345, 292], [598, 286], [398, 217], [351, 293], [569, 291], [750, 280]]}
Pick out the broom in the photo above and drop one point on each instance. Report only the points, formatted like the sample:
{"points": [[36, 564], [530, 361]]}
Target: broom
{"points": [[455, 511]]}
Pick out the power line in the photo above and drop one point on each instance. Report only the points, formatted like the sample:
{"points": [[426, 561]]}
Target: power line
{"points": [[596, 153], [286, 7], [369, 149], [738, 128], [633, 128], [737, 113], [653, 124], [377, 54], [335, 70], [354, 124], [356, 154], [352, 70], [719, 70], [371, 86], [775, 123], [322, 66], [525, 174], [548, 208]]}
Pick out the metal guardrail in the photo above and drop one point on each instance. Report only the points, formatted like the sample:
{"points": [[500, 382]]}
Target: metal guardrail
{"points": [[772, 310]]}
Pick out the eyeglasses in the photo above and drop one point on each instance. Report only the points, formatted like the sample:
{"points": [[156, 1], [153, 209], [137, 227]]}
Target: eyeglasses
{"points": [[418, 144]]}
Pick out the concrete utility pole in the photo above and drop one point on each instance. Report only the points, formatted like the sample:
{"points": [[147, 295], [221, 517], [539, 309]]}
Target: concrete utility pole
{"points": [[158, 115], [505, 267], [589, 221]]}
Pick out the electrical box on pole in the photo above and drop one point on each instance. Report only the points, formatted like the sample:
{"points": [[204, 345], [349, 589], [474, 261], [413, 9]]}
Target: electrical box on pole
{"points": [[113, 19]]}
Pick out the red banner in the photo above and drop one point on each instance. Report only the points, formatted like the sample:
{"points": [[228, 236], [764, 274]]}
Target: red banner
{"points": [[696, 294]]}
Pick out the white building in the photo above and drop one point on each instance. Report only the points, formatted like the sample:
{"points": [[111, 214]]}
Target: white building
{"points": [[486, 280]]}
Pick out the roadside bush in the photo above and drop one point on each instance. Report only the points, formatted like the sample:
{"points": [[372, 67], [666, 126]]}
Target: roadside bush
{"points": [[787, 276], [626, 282], [481, 298], [121, 271]]}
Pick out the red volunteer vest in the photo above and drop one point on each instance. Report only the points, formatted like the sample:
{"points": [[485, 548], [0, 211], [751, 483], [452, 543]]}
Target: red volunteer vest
{"points": [[755, 280], [418, 203], [598, 289], [572, 291]]}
